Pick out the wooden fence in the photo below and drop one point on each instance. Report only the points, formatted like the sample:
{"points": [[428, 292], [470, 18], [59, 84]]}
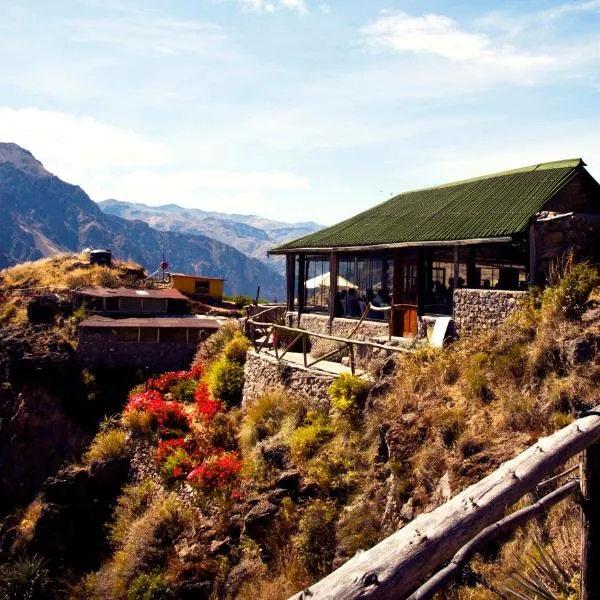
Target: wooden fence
{"points": [[445, 539], [262, 333]]}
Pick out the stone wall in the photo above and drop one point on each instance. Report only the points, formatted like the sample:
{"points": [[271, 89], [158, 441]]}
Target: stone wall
{"points": [[99, 349], [368, 330], [263, 373], [476, 310]]}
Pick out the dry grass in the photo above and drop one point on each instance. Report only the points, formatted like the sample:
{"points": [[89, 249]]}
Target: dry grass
{"points": [[107, 445]]}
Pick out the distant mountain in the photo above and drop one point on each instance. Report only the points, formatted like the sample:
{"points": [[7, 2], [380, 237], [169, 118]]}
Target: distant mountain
{"points": [[42, 215], [251, 234]]}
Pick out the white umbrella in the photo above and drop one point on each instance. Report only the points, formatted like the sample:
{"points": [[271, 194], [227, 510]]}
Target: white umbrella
{"points": [[324, 280]]}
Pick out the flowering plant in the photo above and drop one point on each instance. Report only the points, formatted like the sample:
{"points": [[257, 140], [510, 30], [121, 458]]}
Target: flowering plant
{"points": [[206, 406], [164, 413], [218, 472]]}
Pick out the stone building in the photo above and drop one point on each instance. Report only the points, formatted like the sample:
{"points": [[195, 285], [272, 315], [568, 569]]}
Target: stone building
{"points": [[467, 249]]}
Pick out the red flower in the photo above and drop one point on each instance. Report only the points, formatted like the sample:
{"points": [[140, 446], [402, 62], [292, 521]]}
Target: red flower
{"points": [[197, 371], [166, 414], [167, 447], [218, 472], [206, 406]]}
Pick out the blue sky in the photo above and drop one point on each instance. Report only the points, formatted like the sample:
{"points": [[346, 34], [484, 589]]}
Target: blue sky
{"points": [[296, 109]]}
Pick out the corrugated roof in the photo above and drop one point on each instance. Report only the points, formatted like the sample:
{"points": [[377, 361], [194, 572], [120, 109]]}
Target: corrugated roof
{"points": [[188, 322], [121, 292], [196, 276], [491, 206]]}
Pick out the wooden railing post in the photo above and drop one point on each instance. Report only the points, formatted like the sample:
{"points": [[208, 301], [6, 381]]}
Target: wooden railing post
{"points": [[304, 349], [590, 522]]}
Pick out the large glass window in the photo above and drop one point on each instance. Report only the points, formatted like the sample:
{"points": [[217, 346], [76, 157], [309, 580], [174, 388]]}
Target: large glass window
{"points": [[316, 283]]}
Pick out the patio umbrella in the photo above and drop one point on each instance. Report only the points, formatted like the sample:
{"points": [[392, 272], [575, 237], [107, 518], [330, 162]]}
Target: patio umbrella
{"points": [[324, 280]]}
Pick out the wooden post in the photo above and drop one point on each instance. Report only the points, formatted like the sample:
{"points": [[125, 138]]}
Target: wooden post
{"points": [[456, 267], [290, 273], [257, 295], [590, 522], [333, 280], [351, 352], [304, 340], [301, 281], [532, 256]]}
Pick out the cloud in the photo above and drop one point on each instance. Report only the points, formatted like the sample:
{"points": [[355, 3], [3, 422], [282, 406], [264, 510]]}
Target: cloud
{"points": [[72, 146], [562, 10], [270, 6], [441, 36], [325, 9]]}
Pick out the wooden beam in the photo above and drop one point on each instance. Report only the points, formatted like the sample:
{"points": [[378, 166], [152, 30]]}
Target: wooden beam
{"points": [[333, 280], [395, 567], [590, 523]]}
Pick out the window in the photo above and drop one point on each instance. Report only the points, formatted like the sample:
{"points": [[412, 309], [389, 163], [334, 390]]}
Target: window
{"points": [[127, 334], [149, 334], [173, 334], [202, 288], [316, 283]]}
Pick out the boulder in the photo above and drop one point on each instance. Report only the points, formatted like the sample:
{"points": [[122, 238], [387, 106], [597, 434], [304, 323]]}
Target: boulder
{"points": [[259, 520], [289, 480], [582, 348]]}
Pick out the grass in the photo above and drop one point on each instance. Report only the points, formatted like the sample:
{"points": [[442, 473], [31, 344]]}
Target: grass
{"points": [[107, 445]]}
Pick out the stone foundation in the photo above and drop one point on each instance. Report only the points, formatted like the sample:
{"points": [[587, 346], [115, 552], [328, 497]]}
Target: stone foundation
{"points": [[263, 373], [477, 310]]}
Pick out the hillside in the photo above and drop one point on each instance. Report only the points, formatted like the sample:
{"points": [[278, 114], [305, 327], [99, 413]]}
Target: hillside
{"points": [[224, 501], [43, 215], [250, 234]]}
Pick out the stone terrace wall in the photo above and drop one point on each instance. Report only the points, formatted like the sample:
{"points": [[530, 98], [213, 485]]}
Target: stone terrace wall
{"points": [[264, 373], [476, 310], [341, 327]]}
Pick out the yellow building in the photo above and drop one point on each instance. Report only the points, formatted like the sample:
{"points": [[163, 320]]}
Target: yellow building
{"points": [[198, 285]]}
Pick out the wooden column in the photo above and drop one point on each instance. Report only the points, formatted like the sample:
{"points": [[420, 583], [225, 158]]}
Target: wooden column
{"points": [[532, 256], [421, 281], [590, 522], [290, 272], [301, 280], [456, 267], [472, 269], [333, 281]]}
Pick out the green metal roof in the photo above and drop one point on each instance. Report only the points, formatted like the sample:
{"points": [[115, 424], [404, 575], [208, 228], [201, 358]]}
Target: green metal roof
{"points": [[491, 206]]}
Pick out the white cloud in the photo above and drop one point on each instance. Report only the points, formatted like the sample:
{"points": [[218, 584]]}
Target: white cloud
{"points": [[325, 9], [270, 6], [562, 10], [441, 36], [73, 146]]}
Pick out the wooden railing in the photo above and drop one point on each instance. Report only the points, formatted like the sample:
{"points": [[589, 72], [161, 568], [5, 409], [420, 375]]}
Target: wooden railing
{"points": [[445, 539], [262, 333]]}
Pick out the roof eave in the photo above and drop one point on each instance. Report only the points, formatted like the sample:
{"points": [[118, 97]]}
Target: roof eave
{"points": [[375, 247]]}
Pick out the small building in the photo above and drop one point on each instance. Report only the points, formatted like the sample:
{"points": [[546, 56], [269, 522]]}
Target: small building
{"points": [[127, 301], [102, 258], [199, 286], [481, 241], [160, 344]]}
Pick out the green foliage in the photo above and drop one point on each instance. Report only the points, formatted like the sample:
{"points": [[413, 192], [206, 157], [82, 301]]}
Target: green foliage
{"points": [[263, 419], [305, 440], [225, 379], [216, 343], [131, 504], [107, 445], [236, 349], [175, 460], [334, 469], [183, 390], [26, 579], [150, 586], [315, 540], [240, 300], [573, 284], [81, 314], [348, 393]]}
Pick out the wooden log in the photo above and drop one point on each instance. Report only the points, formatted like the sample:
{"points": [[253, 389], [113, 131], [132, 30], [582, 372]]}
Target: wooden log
{"points": [[502, 527], [395, 567], [590, 523]]}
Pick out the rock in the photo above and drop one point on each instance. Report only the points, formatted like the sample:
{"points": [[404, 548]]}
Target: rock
{"points": [[259, 519], [583, 348], [383, 450], [246, 570], [289, 480], [219, 547], [407, 512], [310, 489], [195, 590], [274, 454]]}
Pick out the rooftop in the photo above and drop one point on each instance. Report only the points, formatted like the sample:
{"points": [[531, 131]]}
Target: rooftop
{"points": [[188, 322], [193, 276], [121, 292], [491, 206]]}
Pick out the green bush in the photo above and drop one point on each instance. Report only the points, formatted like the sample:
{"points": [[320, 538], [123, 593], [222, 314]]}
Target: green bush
{"points": [[236, 349], [183, 391], [150, 586], [306, 439], [26, 579], [315, 541], [215, 344], [226, 380], [263, 419], [107, 445], [348, 392]]}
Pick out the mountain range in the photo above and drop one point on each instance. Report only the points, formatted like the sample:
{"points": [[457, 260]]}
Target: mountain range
{"points": [[250, 234], [42, 215]]}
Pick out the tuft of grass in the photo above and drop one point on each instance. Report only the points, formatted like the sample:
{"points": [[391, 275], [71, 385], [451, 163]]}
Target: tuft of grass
{"points": [[140, 422], [348, 393], [107, 445], [26, 579], [450, 423], [236, 349], [520, 413], [131, 504], [225, 380], [306, 440], [215, 344], [475, 377]]}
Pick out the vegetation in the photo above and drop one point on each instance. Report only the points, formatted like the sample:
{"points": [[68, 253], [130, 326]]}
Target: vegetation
{"points": [[26, 579], [107, 445]]}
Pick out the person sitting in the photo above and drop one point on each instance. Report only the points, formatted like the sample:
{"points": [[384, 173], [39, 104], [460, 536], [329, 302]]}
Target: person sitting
{"points": [[353, 303], [378, 300]]}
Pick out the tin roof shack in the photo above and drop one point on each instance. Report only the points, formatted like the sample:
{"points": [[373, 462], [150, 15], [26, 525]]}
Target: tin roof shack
{"points": [[411, 254], [160, 344], [199, 286], [126, 301], [101, 257]]}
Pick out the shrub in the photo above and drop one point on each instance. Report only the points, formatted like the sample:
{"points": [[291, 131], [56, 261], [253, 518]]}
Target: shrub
{"points": [[183, 391], [520, 413], [476, 378], [163, 414], [26, 579], [220, 471], [306, 439], [107, 445], [236, 349], [315, 540], [215, 344], [263, 419], [226, 380], [334, 469], [450, 422], [348, 393], [131, 504], [150, 586]]}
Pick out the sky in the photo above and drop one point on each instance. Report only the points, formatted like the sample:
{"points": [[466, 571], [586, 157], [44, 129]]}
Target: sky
{"points": [[296, 110]]}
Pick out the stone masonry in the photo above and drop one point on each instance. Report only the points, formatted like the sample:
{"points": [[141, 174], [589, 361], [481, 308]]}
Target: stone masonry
{"points": [[263, 373], [368, 330], [476, 310]]}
